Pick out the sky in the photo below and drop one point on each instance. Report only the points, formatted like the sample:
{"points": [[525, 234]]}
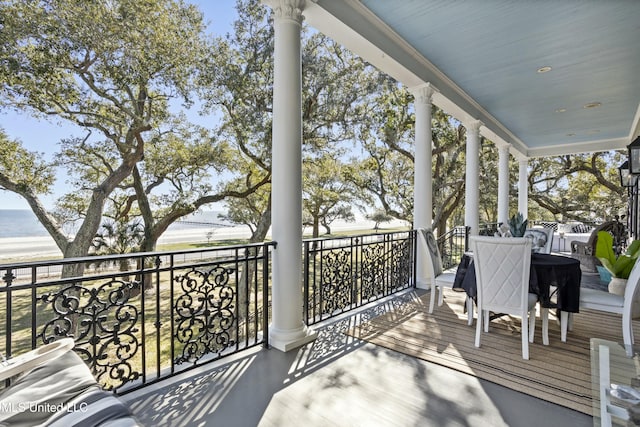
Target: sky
{"points": [[44, 137]]}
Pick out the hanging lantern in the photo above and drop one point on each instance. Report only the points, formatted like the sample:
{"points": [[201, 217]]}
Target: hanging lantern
{"points": [[634, 157]]}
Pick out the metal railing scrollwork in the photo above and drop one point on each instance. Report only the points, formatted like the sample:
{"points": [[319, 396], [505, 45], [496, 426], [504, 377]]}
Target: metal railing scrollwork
{"points": [[167, 313], [344, 273]]}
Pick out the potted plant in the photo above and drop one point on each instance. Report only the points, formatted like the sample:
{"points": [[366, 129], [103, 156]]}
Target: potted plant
{"points": [[618, 266], [517, 225]]}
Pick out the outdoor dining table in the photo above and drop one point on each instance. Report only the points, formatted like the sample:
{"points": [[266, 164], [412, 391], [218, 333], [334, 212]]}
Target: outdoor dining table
{"points": [[547, 271]]}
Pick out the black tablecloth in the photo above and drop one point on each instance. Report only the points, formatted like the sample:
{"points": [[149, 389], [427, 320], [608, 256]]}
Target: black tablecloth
{"points": [[546, 271]]}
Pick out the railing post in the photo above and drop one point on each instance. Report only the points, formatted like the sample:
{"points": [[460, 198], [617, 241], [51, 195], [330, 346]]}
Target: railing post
{"points": [[158, 323], [172, 317], [356, 252], [387, 263], [8, 279], [265, 295], [143, 321], [467, 229], [305, 275], [414, 248], [353, 292], [34, 311]]}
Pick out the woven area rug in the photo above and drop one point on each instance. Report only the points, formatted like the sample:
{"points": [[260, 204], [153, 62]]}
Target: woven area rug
{"points": [[559, 373]]}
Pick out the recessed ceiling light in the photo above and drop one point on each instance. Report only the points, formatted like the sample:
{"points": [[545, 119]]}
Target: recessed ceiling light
{"points": [[592, 105], [544, 69], [560, 110]]}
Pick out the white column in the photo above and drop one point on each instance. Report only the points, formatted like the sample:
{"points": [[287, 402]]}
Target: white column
{"points": [[472, 189], [287, 330], [523, 188], [503, 184], [422, 184]]}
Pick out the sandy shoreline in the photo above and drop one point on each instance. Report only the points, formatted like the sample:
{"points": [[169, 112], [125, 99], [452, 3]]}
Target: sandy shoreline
{"points": [[43, 246], [15, 248]]}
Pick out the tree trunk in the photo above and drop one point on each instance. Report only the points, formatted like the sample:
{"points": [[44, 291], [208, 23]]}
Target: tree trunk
{"points": [[245, 285]]}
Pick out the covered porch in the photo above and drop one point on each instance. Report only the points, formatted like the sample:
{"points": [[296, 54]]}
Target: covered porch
{"points": [[536, 80], [315, 374], [192, 348]]}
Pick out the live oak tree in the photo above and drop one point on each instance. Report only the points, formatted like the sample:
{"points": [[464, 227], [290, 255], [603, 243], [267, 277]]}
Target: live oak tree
{"points": [[254, 211], [185, 170], [338, 88], [488, 182], [581, 187], [238, 88], [335, 86], [327, 194], [385, 174], [111, 68], [22, 171], [448, 154], [386, 177], [378, 217]]}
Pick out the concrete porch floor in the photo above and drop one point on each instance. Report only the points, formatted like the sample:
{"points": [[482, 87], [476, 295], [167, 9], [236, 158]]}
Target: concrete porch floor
{"points": [[340, 381]]}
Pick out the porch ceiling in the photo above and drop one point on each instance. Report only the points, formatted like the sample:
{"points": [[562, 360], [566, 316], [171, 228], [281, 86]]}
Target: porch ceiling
{"points": [[483, 58]]}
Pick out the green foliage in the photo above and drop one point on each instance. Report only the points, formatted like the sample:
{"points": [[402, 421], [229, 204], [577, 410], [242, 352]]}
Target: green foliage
{"points": [[335, 90], [102, 81], [249, 210], [618, 266], [326, 194], [121, 69], [129, 86], [517, 225], [119, 237], [580, 187], [22, 170], [379, 217], [386, 135]]}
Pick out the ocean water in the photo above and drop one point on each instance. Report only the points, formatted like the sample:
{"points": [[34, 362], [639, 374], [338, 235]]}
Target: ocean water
{"points": [[24, 223], [20, 223]]}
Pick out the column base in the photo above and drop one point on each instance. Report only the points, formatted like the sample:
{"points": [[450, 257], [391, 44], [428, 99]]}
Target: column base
{"points": [[285, 340]]}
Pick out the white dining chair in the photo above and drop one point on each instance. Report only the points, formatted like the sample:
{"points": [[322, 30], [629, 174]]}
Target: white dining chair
{"points": [[439, 279], [502, 266], [611, 303]]}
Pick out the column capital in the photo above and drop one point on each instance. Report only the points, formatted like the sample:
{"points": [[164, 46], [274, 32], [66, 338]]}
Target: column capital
{"points": [[473, 125], [504, 147], [423, 93], [287, 9]]}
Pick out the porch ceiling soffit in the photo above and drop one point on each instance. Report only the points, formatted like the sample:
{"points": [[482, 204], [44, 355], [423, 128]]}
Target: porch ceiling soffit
{"points": [[387, 51], [358, 29]]}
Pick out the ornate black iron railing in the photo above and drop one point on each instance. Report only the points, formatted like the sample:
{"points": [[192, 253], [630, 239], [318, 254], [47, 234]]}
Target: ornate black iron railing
{"points": [[142, 317], [452, 246], [344, 273], [139, 318]]}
